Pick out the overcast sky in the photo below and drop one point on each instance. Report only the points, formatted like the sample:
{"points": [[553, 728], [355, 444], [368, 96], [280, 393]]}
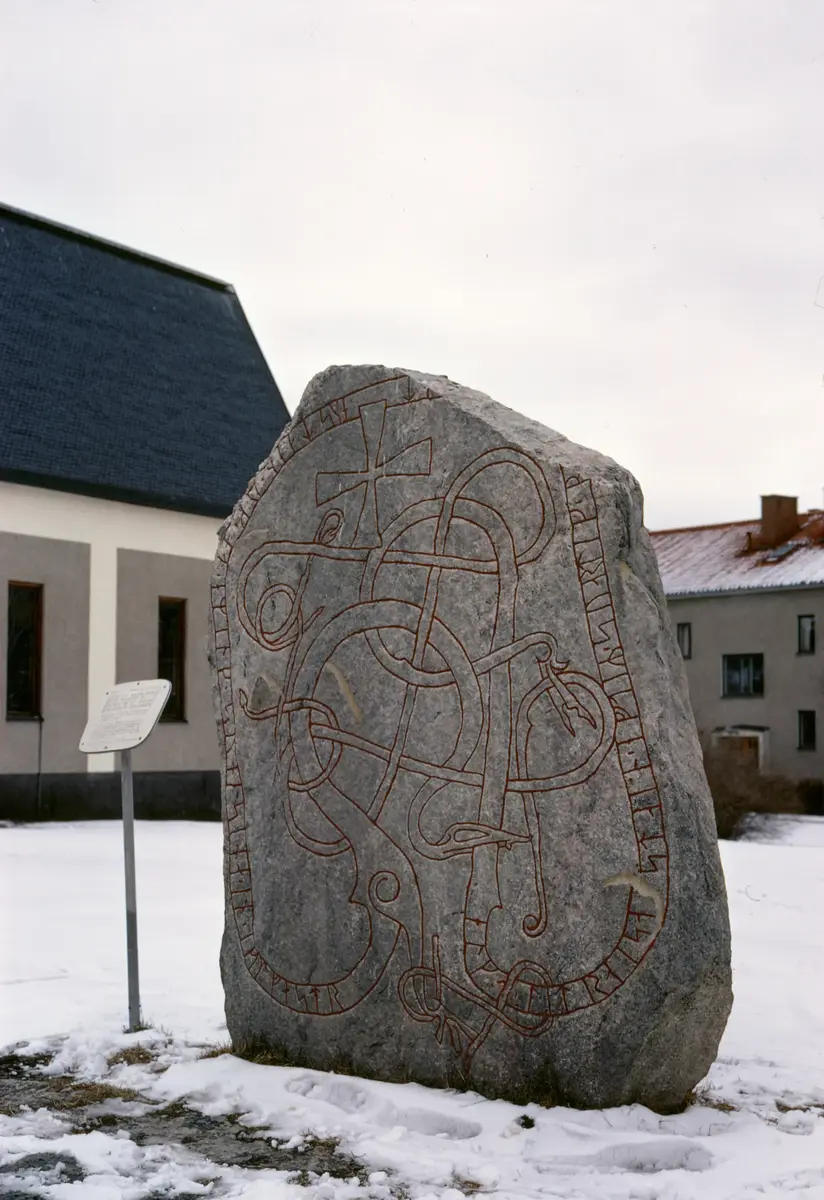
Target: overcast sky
{"points": [[608, 215]]}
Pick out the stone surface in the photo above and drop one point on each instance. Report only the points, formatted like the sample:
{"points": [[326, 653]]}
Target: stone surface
{"points": [[469, 839]]}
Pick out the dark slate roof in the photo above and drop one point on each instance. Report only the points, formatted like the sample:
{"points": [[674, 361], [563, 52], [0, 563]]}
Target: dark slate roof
{"points": [[124, 376]]}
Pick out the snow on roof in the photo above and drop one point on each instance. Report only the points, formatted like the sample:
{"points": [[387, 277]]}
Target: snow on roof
{"points": [[714, 558]]}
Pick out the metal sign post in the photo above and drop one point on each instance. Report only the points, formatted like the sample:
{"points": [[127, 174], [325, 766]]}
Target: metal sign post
{"points": [[128, 715], [127, 792]]}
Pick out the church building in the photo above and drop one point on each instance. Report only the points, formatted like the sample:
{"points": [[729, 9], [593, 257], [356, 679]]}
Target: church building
{"points": [[135, 405]]}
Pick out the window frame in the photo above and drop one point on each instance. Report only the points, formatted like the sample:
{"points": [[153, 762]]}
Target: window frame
{"points": [[174, 712], [810, 743], [752, 694], [687, 626], [799, 647], [35, 713]]}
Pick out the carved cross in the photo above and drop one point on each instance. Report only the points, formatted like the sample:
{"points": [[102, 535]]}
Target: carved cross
{"points": [[410, 461]]}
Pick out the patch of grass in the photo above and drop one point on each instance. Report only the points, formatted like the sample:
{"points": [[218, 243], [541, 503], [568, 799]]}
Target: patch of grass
{"points": [[176, 1108], [329, 1145], [468, 1186], [707, 1102], [525, 1121], [141, 1027], [64, 1093], [786, 1108], [265, 1055], [217, 1050], [132, 1056], [322, 1152], [80, 1095], [145, 1025]]}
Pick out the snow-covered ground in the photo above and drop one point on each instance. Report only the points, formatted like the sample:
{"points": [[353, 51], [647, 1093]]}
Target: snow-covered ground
{"points": [[756, 1130]]}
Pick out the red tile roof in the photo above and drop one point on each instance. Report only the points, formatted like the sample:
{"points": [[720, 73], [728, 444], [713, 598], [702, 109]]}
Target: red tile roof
{"points": [[713, 558]]}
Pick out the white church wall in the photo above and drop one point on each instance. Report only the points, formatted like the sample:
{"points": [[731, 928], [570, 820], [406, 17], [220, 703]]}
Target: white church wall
{"points": [[105, 526]]}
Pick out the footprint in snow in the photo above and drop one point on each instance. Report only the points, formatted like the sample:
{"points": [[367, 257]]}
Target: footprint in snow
{"points": [[640, 1158], [350, 1098]]}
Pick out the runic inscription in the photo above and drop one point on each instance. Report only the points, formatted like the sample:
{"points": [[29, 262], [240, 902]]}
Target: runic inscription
{"points": [[425, 756]]}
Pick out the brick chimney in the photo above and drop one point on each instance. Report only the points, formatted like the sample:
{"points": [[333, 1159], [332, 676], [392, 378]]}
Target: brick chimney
{"points": [[779, 520]]}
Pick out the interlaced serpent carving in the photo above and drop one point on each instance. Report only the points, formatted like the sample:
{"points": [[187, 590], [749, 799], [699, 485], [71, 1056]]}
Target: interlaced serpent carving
{"points": [[449, 976]]}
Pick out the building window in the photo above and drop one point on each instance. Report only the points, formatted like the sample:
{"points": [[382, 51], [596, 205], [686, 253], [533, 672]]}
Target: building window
{"points": [[743, 675], [684, 634], [806, 635], [171, 655], [24, 651], [806, 730]]}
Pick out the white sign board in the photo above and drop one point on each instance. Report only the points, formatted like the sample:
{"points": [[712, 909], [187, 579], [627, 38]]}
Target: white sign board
{"points": [[128, 715]]}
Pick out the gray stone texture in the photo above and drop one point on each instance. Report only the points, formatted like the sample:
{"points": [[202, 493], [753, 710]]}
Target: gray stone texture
{"points": [[469, 839]]}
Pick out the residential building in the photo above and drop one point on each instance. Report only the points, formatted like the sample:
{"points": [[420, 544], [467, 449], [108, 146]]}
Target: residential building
{"points": [[746, 600], [135, 404]]}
